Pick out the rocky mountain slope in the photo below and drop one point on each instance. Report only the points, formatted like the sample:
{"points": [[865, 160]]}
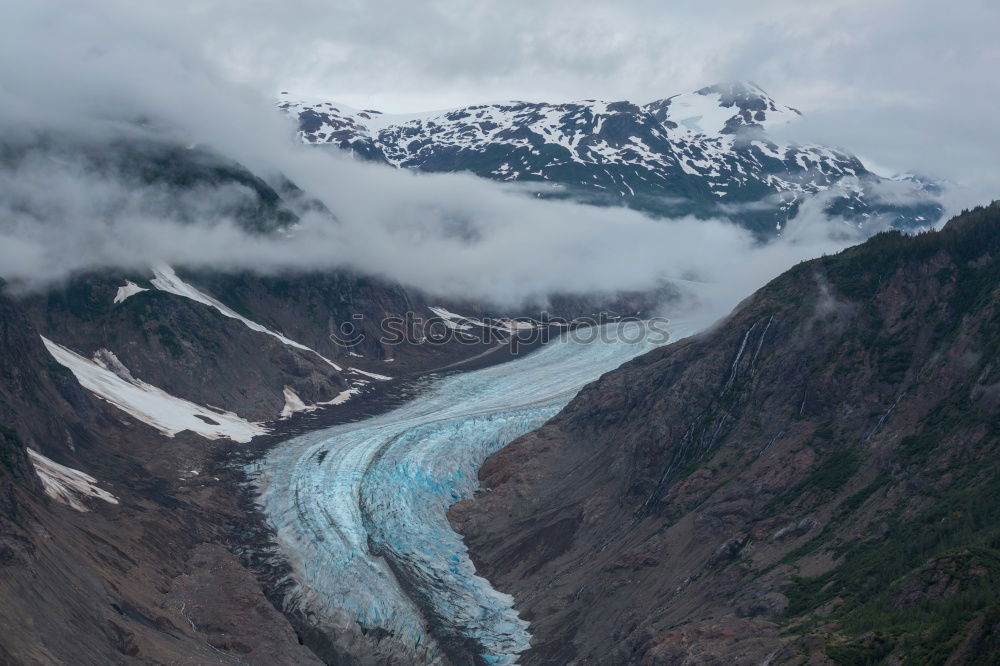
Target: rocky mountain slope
{"points": [[257, 346], [125, 395], [113, 539], [812, 481], [706, 153]]}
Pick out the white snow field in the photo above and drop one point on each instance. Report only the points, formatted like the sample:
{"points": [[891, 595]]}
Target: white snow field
{"points": [[166, 279], [128, 289], [361, 507], [154, 406], [65, 484]]}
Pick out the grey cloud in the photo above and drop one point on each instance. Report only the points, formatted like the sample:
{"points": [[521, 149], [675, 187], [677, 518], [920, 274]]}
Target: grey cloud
{"points": [[203, 73], [909, 82], [57, 219]]}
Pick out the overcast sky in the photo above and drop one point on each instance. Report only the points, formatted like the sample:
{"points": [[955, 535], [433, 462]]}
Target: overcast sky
{"points": [[907, 84], [912, 84]]}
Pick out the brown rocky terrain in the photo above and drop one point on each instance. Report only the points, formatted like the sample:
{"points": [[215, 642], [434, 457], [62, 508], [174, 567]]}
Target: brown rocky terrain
{"points": [[813, 480], [145, 578], [178, 568], [117, 544], [160, 575], [196, 353]]}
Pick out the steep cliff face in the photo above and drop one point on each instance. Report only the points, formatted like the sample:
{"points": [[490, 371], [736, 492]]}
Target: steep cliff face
{"points": [[25, 387], [814, 479]]}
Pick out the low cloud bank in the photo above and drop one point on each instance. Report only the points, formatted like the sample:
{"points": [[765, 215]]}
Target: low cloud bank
{"points": [[111, 73], [451, 235]]}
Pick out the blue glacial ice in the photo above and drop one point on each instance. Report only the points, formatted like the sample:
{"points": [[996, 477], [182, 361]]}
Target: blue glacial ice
{"points": [[360, 509]]}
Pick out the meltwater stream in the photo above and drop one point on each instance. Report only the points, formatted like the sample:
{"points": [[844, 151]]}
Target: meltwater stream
{"points": [[360, 509]]}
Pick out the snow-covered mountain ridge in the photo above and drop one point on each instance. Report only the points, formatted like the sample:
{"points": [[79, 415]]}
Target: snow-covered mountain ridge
{"points": [[706, 153]]}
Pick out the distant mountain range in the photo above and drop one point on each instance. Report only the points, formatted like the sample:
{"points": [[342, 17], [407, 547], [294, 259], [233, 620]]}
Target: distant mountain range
{"points": [[706, 153]]}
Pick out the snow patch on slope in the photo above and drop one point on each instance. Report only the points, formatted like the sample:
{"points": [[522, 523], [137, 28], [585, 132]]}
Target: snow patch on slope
{"points": [[65, 484], [463, 323], [294, 404], [450, 319], [700, 113], [373, 375], [167, 413], [167, 280], [129, 289]]}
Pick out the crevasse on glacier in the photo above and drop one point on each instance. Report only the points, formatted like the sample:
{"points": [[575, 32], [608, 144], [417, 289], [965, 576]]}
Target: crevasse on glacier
{"points": [[360, 509]]}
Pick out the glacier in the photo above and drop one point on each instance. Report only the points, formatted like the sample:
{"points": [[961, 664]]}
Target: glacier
{"points": [[360, 509]]}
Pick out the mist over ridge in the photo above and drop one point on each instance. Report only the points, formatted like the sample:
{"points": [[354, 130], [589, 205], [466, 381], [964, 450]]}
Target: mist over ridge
{"points": [[139, 75]]}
